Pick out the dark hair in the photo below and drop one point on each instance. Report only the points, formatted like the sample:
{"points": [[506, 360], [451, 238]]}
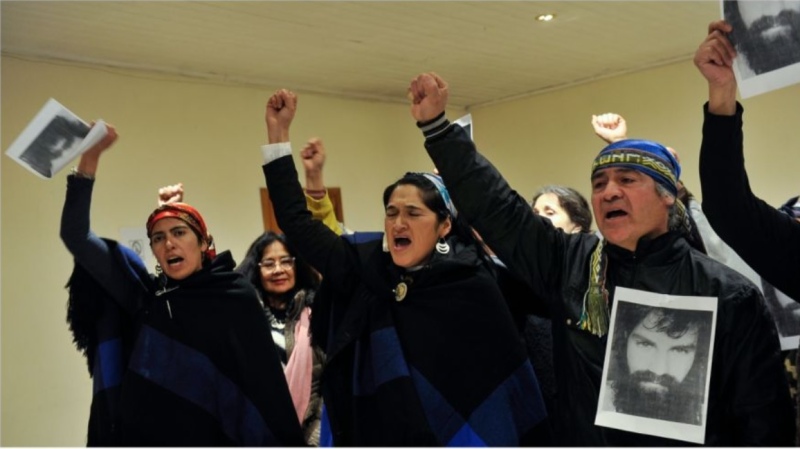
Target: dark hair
{"points": [[734, 18], [758, 53], [673, 322], [572, 201], [304, 275], [41, 153], [460, 230]]}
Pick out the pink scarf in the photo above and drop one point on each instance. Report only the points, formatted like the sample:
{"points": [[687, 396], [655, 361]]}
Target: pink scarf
{"points": [[299, 368]]}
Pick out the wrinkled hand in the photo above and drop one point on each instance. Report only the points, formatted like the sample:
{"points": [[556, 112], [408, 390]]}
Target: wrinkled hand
{"points": [[170, 194], [428, 95], [281, 108], [714, 57], [313, 155], [610, 127]]}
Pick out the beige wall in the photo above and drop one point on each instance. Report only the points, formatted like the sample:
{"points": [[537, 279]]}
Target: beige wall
{"points": [[207, 136], [204, 135], [549, 138]]}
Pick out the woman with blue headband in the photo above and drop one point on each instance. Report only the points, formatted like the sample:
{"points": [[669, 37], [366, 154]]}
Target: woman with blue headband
{"points": [[421, 347]]}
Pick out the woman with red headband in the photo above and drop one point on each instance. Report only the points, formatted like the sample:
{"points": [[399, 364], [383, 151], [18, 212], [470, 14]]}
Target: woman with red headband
{"points": [[182, 359]]}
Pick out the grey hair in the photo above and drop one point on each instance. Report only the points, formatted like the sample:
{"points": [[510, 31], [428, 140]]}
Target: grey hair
{"points": [[674, 220]]}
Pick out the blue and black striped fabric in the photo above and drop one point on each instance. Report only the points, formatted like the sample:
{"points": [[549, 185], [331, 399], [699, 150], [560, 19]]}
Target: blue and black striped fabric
{"points": [[195, 366], [435, 369]]}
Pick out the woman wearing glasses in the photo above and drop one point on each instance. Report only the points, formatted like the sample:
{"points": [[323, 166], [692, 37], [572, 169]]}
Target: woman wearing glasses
{"points": [[286, 285]]}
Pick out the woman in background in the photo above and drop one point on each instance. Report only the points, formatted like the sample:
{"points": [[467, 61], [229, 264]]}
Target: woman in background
{"points": [[286, 285], [568, 210], [565, 207]]}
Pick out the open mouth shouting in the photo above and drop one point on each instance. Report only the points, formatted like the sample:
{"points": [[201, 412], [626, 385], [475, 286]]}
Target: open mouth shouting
{"points": [[176, 267], [174, 261], [401, 243], [615, 214]]}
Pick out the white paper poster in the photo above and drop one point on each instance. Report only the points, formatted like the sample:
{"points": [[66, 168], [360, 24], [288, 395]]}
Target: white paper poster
{"points": [[52, 139], [658, 365], [766, 35]]}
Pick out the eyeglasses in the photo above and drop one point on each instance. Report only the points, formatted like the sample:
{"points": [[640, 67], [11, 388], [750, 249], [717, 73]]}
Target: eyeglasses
{"points": [[270, 265]]}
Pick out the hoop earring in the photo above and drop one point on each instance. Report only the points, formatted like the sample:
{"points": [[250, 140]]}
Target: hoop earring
{"points": [[442, 247], [385, 244]]}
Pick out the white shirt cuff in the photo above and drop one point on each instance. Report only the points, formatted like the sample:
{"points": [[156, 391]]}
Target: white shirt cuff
{"points": [[274, 151]]}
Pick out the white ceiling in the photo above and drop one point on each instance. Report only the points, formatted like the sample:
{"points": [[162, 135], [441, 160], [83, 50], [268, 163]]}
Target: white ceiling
{"points": [[491, 51]]}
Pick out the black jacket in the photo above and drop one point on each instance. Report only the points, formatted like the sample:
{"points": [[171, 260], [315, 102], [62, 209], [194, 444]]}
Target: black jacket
{"points": [[748, 400], [765, 238]]}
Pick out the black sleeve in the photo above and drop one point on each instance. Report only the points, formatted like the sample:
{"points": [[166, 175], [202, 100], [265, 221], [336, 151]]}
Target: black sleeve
{"points": [[320, 246], [765, 238], [90, 251], [529, 245], [262, 377]]}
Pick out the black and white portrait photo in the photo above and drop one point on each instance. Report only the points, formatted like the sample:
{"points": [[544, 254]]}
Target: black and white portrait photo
{"points": [[58, 139], [658, 362], [657, 366], [766, 34], [54, 137]]}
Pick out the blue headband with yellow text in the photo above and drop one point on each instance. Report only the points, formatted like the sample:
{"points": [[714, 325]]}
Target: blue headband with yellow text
{"points": [[648, 157]]}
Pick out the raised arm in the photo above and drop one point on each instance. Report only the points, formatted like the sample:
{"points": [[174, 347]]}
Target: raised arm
{"points": [[88, 249], [529, 245], [317, 199], [316, 242], [610, 127], [714, 59], [762, 236], [170, 194]]}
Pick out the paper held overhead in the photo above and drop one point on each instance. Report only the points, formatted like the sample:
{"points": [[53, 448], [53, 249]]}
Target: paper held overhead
{"points": [[54, 138]]}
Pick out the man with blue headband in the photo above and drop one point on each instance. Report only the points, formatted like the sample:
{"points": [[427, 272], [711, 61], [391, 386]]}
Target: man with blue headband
{"points": [[643, 247]]}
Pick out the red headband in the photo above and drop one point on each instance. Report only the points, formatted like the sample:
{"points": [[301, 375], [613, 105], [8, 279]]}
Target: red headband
{"points": [[188, 215]]}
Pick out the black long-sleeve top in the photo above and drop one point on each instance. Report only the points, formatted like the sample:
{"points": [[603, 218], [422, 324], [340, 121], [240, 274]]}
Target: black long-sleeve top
{"points": [[767, 239]]}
